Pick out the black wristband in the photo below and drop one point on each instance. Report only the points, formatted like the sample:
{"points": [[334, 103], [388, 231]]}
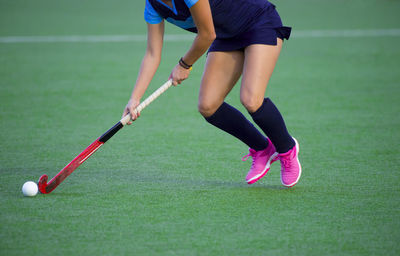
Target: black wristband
{"points": [[184, 64]]}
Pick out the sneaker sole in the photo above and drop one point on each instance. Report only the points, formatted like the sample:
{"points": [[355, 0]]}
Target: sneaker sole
{"points": [[266, 169], [297, 159]]}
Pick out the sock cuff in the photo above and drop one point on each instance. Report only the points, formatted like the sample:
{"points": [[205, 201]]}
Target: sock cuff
{"points": [[214, 116], [260, 110]]}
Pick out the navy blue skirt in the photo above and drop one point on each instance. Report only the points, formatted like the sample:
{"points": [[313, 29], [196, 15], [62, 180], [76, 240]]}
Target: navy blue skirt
{"points": [[265, 30]]}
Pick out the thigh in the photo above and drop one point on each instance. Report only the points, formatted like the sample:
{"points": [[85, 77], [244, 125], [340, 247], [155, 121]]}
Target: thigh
{"points": [[259, 64], [222, 71]]}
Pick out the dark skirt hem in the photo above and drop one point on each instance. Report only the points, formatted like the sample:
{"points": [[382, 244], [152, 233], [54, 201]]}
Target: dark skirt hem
{"points": [[267, 36]]}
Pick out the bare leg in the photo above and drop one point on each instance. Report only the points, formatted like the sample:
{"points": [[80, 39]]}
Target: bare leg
{"points": [[222, 71], [259, 64]]}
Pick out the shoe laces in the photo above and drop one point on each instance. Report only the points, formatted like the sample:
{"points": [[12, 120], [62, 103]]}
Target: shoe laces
{"points": [[286, 161], [253, 154], [246, 157], [250, 154]]}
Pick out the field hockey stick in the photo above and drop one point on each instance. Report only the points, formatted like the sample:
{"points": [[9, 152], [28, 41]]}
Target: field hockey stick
{"points": [[46, 188]]}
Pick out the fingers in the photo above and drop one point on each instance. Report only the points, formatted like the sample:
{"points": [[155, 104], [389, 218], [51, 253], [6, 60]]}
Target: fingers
{"points": [[130, 109], [178, 75], [176, 82], [133, 117], [133, 113], [126, 111]]}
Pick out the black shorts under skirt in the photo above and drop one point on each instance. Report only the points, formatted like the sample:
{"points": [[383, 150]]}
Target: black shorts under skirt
{"points": [[261, 32]]}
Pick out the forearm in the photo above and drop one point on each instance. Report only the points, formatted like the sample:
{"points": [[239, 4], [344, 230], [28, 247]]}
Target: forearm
{"points": [[200, 45], [202, 17], [147, 70]]}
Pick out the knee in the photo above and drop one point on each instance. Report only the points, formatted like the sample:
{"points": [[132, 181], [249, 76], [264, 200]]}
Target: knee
{"points": [[251, 102], [206, 108]]}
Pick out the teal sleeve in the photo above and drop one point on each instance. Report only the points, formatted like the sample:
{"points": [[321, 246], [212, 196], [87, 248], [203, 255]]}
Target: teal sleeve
{"points": [[150, 15], [190, 3]]}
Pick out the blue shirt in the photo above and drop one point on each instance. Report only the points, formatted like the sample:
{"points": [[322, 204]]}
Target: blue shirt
{"points": [[230, 17]]}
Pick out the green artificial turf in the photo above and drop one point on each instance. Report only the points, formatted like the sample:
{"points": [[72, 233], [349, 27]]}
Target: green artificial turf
{"points": [[171, 184]]}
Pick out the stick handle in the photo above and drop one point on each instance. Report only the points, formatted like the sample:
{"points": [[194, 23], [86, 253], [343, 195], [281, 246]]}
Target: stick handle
{"points": [[147, 101]]}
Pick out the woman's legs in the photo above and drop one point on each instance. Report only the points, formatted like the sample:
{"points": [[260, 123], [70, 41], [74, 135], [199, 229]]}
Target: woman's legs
{"points": [[259, 64], [222, 71]]}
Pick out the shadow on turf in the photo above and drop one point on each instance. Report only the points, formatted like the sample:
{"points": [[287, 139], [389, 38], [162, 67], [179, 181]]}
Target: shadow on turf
{"points": [[235, 185], [192, 184], [195, 183], [148, 180]]}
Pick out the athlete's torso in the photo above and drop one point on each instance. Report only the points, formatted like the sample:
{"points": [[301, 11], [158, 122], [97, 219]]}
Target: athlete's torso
{"points": [[230, 17]]}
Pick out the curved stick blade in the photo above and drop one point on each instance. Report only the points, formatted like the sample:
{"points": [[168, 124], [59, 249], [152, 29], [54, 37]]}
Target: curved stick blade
{"points": [[42, 184]]}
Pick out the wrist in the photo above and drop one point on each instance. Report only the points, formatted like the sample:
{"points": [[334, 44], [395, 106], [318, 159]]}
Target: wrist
{"points": [[185, 65], [134, 98], [136, 94]]}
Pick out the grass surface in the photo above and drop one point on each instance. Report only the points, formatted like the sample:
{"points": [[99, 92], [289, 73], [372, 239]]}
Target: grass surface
{"points": [[173, 185]]}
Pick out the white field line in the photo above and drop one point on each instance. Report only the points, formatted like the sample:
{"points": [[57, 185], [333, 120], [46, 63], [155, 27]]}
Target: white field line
{"points": [[189, 37], [347, 33], [90, 39]]}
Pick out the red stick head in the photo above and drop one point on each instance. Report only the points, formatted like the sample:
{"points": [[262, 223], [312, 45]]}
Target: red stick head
{"points": [[42, 184]]}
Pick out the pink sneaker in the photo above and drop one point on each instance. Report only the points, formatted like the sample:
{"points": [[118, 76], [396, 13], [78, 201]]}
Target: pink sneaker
{"points": [[262, 161], [290, 166]]}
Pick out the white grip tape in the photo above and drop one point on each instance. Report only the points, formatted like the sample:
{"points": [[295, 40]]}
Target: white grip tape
{"points": [[147, 101]]}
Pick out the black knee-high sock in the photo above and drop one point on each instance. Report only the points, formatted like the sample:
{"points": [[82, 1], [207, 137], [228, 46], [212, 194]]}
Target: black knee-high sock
{"points": [[232, 121], [270, 120]]}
